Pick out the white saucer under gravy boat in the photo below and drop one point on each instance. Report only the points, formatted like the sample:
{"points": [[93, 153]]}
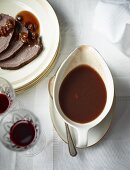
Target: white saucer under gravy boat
{"points": [[86, 134]]}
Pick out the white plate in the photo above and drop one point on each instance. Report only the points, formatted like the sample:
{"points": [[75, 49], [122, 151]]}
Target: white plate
{"points": [[94, 135], [49, 30]]}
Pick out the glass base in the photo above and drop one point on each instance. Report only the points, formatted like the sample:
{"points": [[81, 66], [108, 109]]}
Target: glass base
{"points": [[37, 148]]}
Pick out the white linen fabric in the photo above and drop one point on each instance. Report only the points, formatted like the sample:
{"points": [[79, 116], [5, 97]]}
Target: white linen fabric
{"points": [[112, 19], [117, 2], [76, 19]]}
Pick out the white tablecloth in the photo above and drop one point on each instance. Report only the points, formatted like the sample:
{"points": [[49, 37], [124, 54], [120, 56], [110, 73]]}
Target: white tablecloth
{"points": [[111, 153]]}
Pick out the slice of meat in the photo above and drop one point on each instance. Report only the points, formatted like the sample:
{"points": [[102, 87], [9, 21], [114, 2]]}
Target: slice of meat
{"points": [[23, 57], [15, 44], [5, 40]]}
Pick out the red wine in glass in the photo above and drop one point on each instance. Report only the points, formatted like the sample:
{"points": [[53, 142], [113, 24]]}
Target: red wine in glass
{"points": [[22, 133], [4, 103], [20, 130]]}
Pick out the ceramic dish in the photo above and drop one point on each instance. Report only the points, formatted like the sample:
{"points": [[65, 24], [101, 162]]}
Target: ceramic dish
{"points": [[89, 133], [25, 77]]}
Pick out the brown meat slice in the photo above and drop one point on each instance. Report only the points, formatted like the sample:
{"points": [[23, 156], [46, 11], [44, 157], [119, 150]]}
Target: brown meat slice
{"points": [[23, 57], [15, 44], [5, 40]]}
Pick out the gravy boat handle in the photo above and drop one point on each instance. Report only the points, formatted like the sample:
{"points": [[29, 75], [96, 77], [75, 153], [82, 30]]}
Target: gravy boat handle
{"points": [[82, 137]]}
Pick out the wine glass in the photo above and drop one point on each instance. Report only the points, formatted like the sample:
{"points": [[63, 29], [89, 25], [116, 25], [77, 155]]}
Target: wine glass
{"points": [[7, 96], [21, 131]]}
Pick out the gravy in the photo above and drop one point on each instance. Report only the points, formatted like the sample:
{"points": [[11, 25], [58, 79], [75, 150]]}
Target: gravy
{"points": [[82, 95]]}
